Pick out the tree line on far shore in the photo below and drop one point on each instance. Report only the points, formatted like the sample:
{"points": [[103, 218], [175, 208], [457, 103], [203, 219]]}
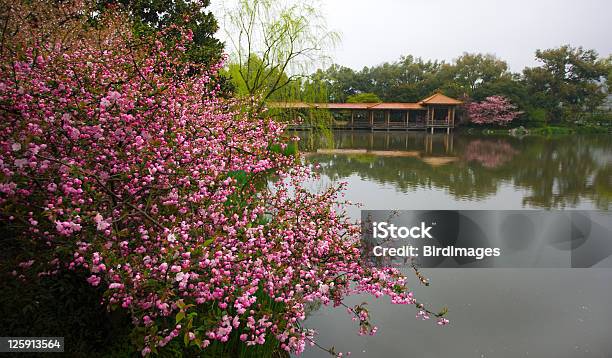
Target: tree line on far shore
{"points": [[271, 59], [570, 85]]}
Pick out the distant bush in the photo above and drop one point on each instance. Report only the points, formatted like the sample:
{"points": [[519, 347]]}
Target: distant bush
{"points": [[552, 130], [603, 118], [591, 129], [364, 98], [537, 117]]}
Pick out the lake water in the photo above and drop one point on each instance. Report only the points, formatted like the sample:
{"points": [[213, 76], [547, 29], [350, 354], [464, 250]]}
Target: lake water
{"points": [[494, 312]]}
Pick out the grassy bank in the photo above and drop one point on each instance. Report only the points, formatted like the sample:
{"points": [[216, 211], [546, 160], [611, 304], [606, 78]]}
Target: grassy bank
{"points": [[541, 131]]}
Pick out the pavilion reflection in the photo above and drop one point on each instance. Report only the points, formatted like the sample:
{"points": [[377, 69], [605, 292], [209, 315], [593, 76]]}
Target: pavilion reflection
{"points": [[557, 173]]}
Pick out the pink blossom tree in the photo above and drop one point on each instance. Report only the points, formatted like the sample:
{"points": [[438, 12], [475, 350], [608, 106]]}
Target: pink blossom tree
{"points": [[118, 159], [493, 110]]}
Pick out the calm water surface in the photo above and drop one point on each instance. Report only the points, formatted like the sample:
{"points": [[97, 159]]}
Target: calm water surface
{"points": [[494, 312]]}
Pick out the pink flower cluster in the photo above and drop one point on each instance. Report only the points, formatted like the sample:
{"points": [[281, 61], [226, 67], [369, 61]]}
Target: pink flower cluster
{"points": [[493, 110], [118, 158]]}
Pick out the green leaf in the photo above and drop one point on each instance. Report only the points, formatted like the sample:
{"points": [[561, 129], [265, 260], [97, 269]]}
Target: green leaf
{"points": [[275, 148], [240, 176], [290, 149], [153, 329], [180, 316], [190, 324], [443, 311]]}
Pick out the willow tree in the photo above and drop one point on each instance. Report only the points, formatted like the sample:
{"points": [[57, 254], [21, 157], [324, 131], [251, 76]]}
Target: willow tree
{"points": [[273, 44]]}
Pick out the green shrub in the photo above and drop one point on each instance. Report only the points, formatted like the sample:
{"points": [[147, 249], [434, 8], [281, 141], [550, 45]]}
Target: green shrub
{"points": [[63, 306], [537, 117]]}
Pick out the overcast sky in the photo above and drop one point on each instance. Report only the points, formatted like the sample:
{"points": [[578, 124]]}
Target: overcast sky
{"points": [[377, 31]]}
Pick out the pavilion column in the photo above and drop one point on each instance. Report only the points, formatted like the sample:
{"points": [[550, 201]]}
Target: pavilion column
{"points": [[433, 115], [407, 117], [352, 119], [387, 118]]}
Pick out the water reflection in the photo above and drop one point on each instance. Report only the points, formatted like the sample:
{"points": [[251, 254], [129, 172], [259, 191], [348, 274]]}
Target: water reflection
{"points": [[507, 313], [564, 172], [489, 153]]}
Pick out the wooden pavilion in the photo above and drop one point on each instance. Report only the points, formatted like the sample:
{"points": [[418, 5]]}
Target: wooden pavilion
{"points": [[436, 111]]}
